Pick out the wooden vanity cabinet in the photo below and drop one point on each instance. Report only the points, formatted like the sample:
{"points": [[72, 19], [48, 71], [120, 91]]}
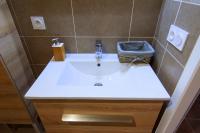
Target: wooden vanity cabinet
{"points": [[98, 116]]}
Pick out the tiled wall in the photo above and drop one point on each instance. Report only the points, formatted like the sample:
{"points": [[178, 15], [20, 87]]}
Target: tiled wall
{"points": [[80, 22], [168, 61], [12, 51]]}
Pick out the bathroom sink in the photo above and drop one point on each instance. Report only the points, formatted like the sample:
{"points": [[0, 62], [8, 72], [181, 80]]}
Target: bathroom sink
{"points": [[84, 72], [94, 68], [82, 76]]}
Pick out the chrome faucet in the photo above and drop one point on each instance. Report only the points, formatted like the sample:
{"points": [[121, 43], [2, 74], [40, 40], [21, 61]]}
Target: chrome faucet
{"points": [[98, 49]]}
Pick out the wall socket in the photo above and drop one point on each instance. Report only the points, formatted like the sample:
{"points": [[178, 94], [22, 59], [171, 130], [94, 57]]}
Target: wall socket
{"points": [[38, 23]]}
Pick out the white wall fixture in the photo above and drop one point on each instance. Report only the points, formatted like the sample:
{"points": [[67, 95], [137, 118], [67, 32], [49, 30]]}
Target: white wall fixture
{"points": [[177, 37], [38, 23]]}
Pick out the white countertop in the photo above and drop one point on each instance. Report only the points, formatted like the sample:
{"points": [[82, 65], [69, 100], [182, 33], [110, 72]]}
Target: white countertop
{"points": [[142, 83]]}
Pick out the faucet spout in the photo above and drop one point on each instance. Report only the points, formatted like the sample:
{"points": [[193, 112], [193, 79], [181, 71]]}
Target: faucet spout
{"points": [[98, 49]]}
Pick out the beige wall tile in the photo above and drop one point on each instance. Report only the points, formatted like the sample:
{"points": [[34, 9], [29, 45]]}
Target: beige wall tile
{"points": [[170, 73], [93, 18], [145, 16], [188, 19], [157, 58], [41, 51], [57, 15], [102, 17], [167, 18]]}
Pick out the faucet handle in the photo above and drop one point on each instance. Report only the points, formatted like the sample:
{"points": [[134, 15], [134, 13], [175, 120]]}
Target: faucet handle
{"points": [[98, 43], [55, 41]]}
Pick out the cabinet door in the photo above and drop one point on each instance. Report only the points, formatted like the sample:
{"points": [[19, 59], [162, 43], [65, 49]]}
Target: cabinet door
{"points": [[98, 116]]}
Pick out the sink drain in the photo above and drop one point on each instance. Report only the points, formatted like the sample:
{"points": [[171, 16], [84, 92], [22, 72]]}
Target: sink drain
{"points": [[98, 84]]}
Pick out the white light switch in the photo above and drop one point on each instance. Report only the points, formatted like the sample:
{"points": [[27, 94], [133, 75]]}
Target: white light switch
{"points": [[177, 37], [38, 23]]}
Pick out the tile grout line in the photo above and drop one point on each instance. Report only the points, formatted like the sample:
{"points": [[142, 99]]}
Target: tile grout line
{"points": [[178, 12], [110, 37], [74, 26], [130, 26], [161, 63], [88, 36], [170, 54], [158, 21], [27, 47], [142, 37], [29, 53], [102, 37], [160, 44], [175, 58], [165, 50], [24, 41], [46, 36]]}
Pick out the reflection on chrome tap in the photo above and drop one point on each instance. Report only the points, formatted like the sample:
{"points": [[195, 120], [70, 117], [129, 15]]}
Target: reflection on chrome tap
{"points": [[98, 49], [98, 52]]}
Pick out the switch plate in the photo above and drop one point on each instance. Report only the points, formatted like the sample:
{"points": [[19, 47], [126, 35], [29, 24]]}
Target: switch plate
{"points": [[177, 37], [38, 23]]}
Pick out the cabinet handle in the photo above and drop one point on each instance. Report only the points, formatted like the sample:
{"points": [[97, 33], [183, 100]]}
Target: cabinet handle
{"points": [[99, 120]]}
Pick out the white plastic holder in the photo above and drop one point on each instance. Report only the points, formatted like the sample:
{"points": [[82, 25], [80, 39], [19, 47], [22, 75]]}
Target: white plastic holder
{"points": [[177, 37]]}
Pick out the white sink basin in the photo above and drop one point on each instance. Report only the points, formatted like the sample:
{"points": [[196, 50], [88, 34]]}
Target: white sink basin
{"points": [[79, 77], [83, 72], [91, 68]]}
